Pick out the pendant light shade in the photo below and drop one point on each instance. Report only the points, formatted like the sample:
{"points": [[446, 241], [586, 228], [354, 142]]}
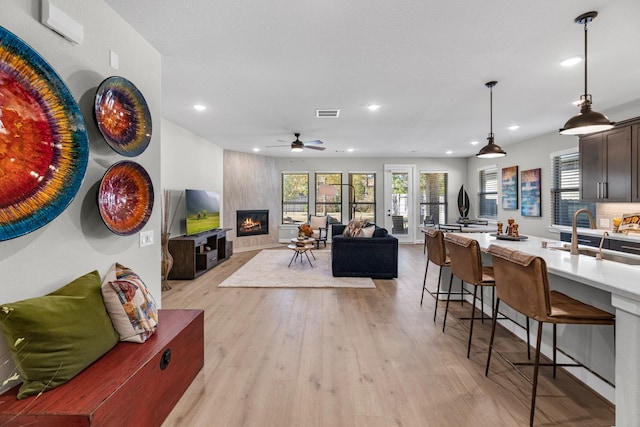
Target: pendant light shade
{"points": [[587, 121], [491, 150]]}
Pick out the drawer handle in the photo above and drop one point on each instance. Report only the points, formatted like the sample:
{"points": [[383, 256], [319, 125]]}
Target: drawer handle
{"points": [[165, 359], [585, 241], [630, 248]]}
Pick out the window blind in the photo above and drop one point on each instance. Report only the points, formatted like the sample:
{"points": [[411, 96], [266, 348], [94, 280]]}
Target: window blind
{"points": [[565, 194], [488, 194]]}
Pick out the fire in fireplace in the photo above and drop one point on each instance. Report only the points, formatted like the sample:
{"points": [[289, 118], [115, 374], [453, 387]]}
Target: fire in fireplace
{"points": [[252, 222]]}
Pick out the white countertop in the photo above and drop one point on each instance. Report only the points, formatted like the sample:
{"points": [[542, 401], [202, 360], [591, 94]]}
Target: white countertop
{"points": [[614, 277]]}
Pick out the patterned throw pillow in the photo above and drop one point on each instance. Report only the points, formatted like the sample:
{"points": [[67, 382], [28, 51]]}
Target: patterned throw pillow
{"points": [[132, 309], [353, 228]]}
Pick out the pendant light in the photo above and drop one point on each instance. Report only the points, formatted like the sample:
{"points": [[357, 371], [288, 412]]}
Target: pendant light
{"points": [[587, 121], [491, 150]]}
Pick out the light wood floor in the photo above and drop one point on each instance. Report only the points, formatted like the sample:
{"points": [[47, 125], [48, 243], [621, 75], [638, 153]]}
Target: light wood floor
{"points": [[358, 357]]}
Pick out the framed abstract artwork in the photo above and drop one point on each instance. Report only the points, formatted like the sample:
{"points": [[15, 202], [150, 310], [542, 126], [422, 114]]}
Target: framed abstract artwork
{"points": [[510, 187], [44, 146], [530, 193]]}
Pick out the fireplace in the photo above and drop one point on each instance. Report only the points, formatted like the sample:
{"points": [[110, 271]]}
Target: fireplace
{"points": [[252, 222]]}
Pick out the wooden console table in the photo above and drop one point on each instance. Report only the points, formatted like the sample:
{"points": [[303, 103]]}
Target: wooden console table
{"points": [[197, 254]]}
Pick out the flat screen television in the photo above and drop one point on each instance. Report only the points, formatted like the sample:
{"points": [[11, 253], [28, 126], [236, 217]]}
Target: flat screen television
{"points": [[203, 211]]}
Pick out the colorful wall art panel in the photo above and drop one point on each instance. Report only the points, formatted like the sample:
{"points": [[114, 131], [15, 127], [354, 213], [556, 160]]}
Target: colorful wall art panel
{"points": [[44, 147], [125, 198], [530, 192], [123, 117], [510, 187]]}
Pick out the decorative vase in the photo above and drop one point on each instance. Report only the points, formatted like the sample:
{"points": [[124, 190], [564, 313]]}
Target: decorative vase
{"points": [[167, 261]]}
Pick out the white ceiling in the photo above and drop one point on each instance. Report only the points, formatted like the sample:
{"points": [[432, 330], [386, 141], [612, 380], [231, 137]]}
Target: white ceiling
{"points": [[262, 67]]}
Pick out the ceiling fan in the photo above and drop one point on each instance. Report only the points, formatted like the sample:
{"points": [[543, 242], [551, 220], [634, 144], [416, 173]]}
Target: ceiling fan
{"points": [[298, 145]]}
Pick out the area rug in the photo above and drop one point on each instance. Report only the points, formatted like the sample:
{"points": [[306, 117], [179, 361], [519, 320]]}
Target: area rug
{"points": [[268, 269]]}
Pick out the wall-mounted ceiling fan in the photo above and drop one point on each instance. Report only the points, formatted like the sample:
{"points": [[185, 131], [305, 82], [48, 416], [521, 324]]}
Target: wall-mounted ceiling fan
{"points": [[298, 145]]}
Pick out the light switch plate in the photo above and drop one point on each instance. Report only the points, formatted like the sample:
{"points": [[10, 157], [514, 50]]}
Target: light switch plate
{"points": [[146, 238], [603, 222]]}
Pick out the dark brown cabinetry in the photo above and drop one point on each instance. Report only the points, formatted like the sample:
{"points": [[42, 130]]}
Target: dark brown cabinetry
{"points": [[586, 240], [605, 165], [195, 255], [635, 162]]}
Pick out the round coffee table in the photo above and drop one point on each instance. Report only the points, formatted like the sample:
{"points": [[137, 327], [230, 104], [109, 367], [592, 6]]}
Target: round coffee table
{"points": [[300, 247]]}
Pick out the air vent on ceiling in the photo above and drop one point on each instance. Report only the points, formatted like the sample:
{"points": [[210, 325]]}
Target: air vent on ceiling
{"points": [[327, 113]]}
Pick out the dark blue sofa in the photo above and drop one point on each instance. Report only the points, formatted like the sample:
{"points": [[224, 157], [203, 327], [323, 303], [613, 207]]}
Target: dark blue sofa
{"points": [[375, 257]]}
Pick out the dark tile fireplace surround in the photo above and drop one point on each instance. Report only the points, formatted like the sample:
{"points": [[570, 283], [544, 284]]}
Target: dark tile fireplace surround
{"points": [[252, 222]]}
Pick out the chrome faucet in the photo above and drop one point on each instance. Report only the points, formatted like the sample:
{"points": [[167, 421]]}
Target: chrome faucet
{"points": [[599, 254], [574, 229]]}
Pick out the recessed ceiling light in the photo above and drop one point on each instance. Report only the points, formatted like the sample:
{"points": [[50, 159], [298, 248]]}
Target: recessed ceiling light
{"points": [[199, 107], [570, 62], [256, 149], [373, 107], [475, 142], [350, 150], [513, 127], [449, 152]]}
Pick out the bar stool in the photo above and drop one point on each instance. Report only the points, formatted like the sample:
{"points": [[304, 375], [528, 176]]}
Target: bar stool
{"points": [[466, 264], [436, 254], [521, 282]]}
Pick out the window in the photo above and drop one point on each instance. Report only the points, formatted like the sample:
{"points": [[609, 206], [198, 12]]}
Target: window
{"points": [[433, 197], [363, 191], [488, 194], [327, 204], [295, 197], [565, 191]]}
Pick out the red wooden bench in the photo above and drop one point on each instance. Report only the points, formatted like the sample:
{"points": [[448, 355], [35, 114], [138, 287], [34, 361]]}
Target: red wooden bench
{"points": [[133, 384]]}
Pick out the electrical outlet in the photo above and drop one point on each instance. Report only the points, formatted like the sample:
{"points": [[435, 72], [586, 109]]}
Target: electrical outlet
{"points": [[146, 238], [604, 222]]}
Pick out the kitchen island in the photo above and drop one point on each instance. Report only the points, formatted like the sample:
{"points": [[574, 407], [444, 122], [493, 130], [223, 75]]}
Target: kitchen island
{"points": [[611, 286]]}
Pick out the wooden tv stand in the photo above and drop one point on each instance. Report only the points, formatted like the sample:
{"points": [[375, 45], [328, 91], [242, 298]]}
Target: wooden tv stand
{"points": [[197, 254]]}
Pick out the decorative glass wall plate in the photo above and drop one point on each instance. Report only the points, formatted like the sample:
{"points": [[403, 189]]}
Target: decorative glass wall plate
{"points": [[44, 147], [123, 117], [125, 198]]}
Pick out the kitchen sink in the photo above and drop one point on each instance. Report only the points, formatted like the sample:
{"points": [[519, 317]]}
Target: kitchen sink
{"points": [[592, 252]]}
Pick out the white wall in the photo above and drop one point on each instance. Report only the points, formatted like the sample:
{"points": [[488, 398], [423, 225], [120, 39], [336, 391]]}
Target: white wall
{"points": [[77, 241], [188, 161]]}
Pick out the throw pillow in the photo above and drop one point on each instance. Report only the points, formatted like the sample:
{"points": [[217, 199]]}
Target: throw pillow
{"points": [[353, 228], [53, 337], [367, 232], [131, 307]]}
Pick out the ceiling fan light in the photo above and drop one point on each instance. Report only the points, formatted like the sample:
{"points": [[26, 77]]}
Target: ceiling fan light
{"points": [[296, 149]]}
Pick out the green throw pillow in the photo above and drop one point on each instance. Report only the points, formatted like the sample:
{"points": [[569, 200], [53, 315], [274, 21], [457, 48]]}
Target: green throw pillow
{"points": [[53, 337]]}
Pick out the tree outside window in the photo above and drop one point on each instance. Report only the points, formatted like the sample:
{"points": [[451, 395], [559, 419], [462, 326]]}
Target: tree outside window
{"points": [[329, 205], [295, 197], [364, 190], [433, 197]]}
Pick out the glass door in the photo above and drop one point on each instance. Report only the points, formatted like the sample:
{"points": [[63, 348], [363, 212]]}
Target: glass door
{"points": [[398, 200]]}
